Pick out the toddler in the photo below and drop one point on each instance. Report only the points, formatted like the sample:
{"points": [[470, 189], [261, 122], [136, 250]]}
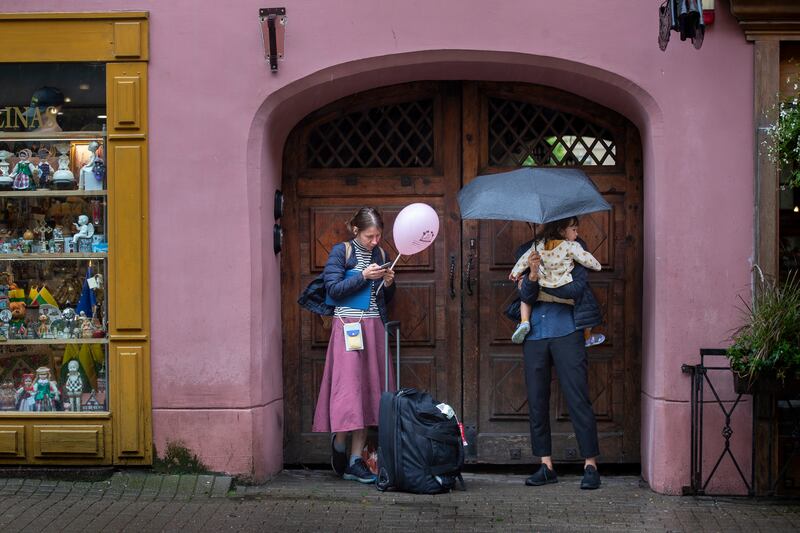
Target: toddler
{"points": [[559, 250]]}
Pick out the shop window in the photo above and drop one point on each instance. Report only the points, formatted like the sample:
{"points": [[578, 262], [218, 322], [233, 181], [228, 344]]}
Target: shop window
{"points": [[523, 134], [389, 136], [53, 248]]}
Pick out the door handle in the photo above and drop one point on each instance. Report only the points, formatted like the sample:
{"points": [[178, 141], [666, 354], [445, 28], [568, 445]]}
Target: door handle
{"points": [[452, 276]]}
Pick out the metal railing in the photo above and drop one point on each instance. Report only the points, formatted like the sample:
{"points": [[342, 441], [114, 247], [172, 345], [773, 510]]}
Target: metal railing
{"points": [[700, 377]]}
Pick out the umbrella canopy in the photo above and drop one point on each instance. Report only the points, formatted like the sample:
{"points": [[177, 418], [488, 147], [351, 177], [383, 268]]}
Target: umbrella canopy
{"points": [[536, 195]]}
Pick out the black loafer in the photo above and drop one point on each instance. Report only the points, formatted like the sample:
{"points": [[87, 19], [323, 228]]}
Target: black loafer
{"points": [[338, 459], [544, 476], [591, 479]]}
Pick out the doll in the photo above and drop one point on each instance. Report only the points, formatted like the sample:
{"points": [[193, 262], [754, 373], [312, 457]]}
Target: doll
{"points": [[44, 168], [87, 329], [85, 229], [63, 177], [23, 172], [44, 326], [8, 396], [24, 395], [45, 391], [73, 386]]}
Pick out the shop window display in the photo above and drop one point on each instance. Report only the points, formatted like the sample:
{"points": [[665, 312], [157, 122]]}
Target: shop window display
{"points": [[53, 248]]}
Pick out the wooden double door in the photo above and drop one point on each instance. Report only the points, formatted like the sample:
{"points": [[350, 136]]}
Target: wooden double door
{"points": [[421, 142]]}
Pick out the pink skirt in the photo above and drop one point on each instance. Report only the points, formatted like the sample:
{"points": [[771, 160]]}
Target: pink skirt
{"points": [[352, 382]]}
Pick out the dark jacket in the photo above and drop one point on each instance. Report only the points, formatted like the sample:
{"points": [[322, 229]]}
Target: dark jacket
{"points": [[586, 312], [333, 282]]}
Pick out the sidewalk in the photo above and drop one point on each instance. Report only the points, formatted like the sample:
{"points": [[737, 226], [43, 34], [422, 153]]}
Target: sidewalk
{"points": [[317, 501]]}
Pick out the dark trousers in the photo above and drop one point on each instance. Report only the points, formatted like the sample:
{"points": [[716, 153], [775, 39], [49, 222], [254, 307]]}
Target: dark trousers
{"points": [[568, 354]]}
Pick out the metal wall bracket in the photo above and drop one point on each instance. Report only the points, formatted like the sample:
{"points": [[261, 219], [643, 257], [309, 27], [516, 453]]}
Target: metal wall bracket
{"points": [[273, 31]]}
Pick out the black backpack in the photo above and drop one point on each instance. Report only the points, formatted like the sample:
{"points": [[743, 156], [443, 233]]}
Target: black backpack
{"points": [[419, 449]]}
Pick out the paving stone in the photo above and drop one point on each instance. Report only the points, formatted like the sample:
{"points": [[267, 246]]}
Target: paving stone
{"points": [[152, 486], [186, 487], [204, 486], [169, 485], [222, 484]]}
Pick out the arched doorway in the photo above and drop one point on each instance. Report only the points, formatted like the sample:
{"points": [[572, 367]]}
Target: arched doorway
{"points": [[422, 141]]}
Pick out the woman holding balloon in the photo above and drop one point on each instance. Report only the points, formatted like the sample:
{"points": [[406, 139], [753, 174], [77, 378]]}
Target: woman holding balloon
{"points": [[352, 381], [359, 281]]}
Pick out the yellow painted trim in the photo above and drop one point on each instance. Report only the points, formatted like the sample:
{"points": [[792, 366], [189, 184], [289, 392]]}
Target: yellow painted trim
{"points": [[125, 432], [8, 417], [96, 37], [89, 15], [128, 338], [30, 437], [128, 237]]}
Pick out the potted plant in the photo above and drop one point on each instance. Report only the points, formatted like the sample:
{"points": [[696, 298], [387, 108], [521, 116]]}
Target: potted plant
{"points": [[765, 355]]}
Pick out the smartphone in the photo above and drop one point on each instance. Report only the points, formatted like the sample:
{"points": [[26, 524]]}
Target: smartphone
{"points": [[385, 265]]}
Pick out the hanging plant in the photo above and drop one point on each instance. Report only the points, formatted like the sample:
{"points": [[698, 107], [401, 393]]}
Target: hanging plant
{"points": [[783, 136], [787, 140]]}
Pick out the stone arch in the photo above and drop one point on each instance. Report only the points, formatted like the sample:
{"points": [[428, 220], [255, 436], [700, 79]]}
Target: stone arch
{"points": [[284, 108]]}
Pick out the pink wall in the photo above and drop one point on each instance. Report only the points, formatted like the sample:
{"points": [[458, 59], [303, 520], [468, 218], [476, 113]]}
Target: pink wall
{"points": [[219, 119]]}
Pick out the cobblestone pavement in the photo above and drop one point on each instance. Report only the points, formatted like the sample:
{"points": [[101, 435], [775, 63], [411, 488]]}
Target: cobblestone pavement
{"points": [[317, 501]]}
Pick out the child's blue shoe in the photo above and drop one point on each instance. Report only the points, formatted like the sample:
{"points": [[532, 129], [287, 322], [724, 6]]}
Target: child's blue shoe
{"points": [[521, 332], [595, 339]]}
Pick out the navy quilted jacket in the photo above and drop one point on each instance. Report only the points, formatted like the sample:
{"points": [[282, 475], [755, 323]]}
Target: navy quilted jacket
{"points": [[337, 286], [333, 281]]}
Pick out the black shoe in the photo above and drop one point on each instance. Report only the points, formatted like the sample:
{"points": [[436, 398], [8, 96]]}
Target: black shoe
{"points": [[543, 476], [338, 459], [358, 471], [591, 479]]}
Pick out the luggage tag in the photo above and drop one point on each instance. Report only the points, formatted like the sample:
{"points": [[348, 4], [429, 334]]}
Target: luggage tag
{"points": [[353, 340]]}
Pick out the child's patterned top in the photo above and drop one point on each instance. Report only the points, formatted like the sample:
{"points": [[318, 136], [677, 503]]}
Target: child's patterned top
{"points": [[557, 262]]}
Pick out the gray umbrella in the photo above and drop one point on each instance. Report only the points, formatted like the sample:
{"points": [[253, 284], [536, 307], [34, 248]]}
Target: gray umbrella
{"points": [[536, 195]]}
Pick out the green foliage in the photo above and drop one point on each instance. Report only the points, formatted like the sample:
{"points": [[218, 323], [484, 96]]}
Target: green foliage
{"points": [[768, 344], [787, 137], [178, 459]]}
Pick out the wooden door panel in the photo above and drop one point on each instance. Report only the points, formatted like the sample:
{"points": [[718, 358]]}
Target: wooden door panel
{"points": [[320, 198], [602, 290], [320, 331], [500, 327], [417, 372], [597, 230], [414, 306], [506, 237], [328, 229], [508, 397]]}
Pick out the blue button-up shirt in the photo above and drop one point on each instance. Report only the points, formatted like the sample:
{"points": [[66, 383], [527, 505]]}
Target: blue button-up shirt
{"points": [[549, 319]]}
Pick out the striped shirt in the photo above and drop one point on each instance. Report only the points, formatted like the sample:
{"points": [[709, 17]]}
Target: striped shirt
{"points": [[363, 260]]}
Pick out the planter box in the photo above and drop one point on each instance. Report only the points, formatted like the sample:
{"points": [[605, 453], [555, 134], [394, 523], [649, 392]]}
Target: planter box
{"points": [[767, 385]]}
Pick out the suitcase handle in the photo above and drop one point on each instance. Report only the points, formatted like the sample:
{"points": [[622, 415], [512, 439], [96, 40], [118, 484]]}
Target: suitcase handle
{"points": [[394, 324]]}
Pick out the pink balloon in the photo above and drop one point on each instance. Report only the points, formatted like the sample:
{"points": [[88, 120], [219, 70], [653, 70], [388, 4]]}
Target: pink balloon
{"points": [[415, 228]]}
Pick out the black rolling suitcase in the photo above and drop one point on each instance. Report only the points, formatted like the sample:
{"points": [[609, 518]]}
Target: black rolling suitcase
{"points": [[420, 448]]}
